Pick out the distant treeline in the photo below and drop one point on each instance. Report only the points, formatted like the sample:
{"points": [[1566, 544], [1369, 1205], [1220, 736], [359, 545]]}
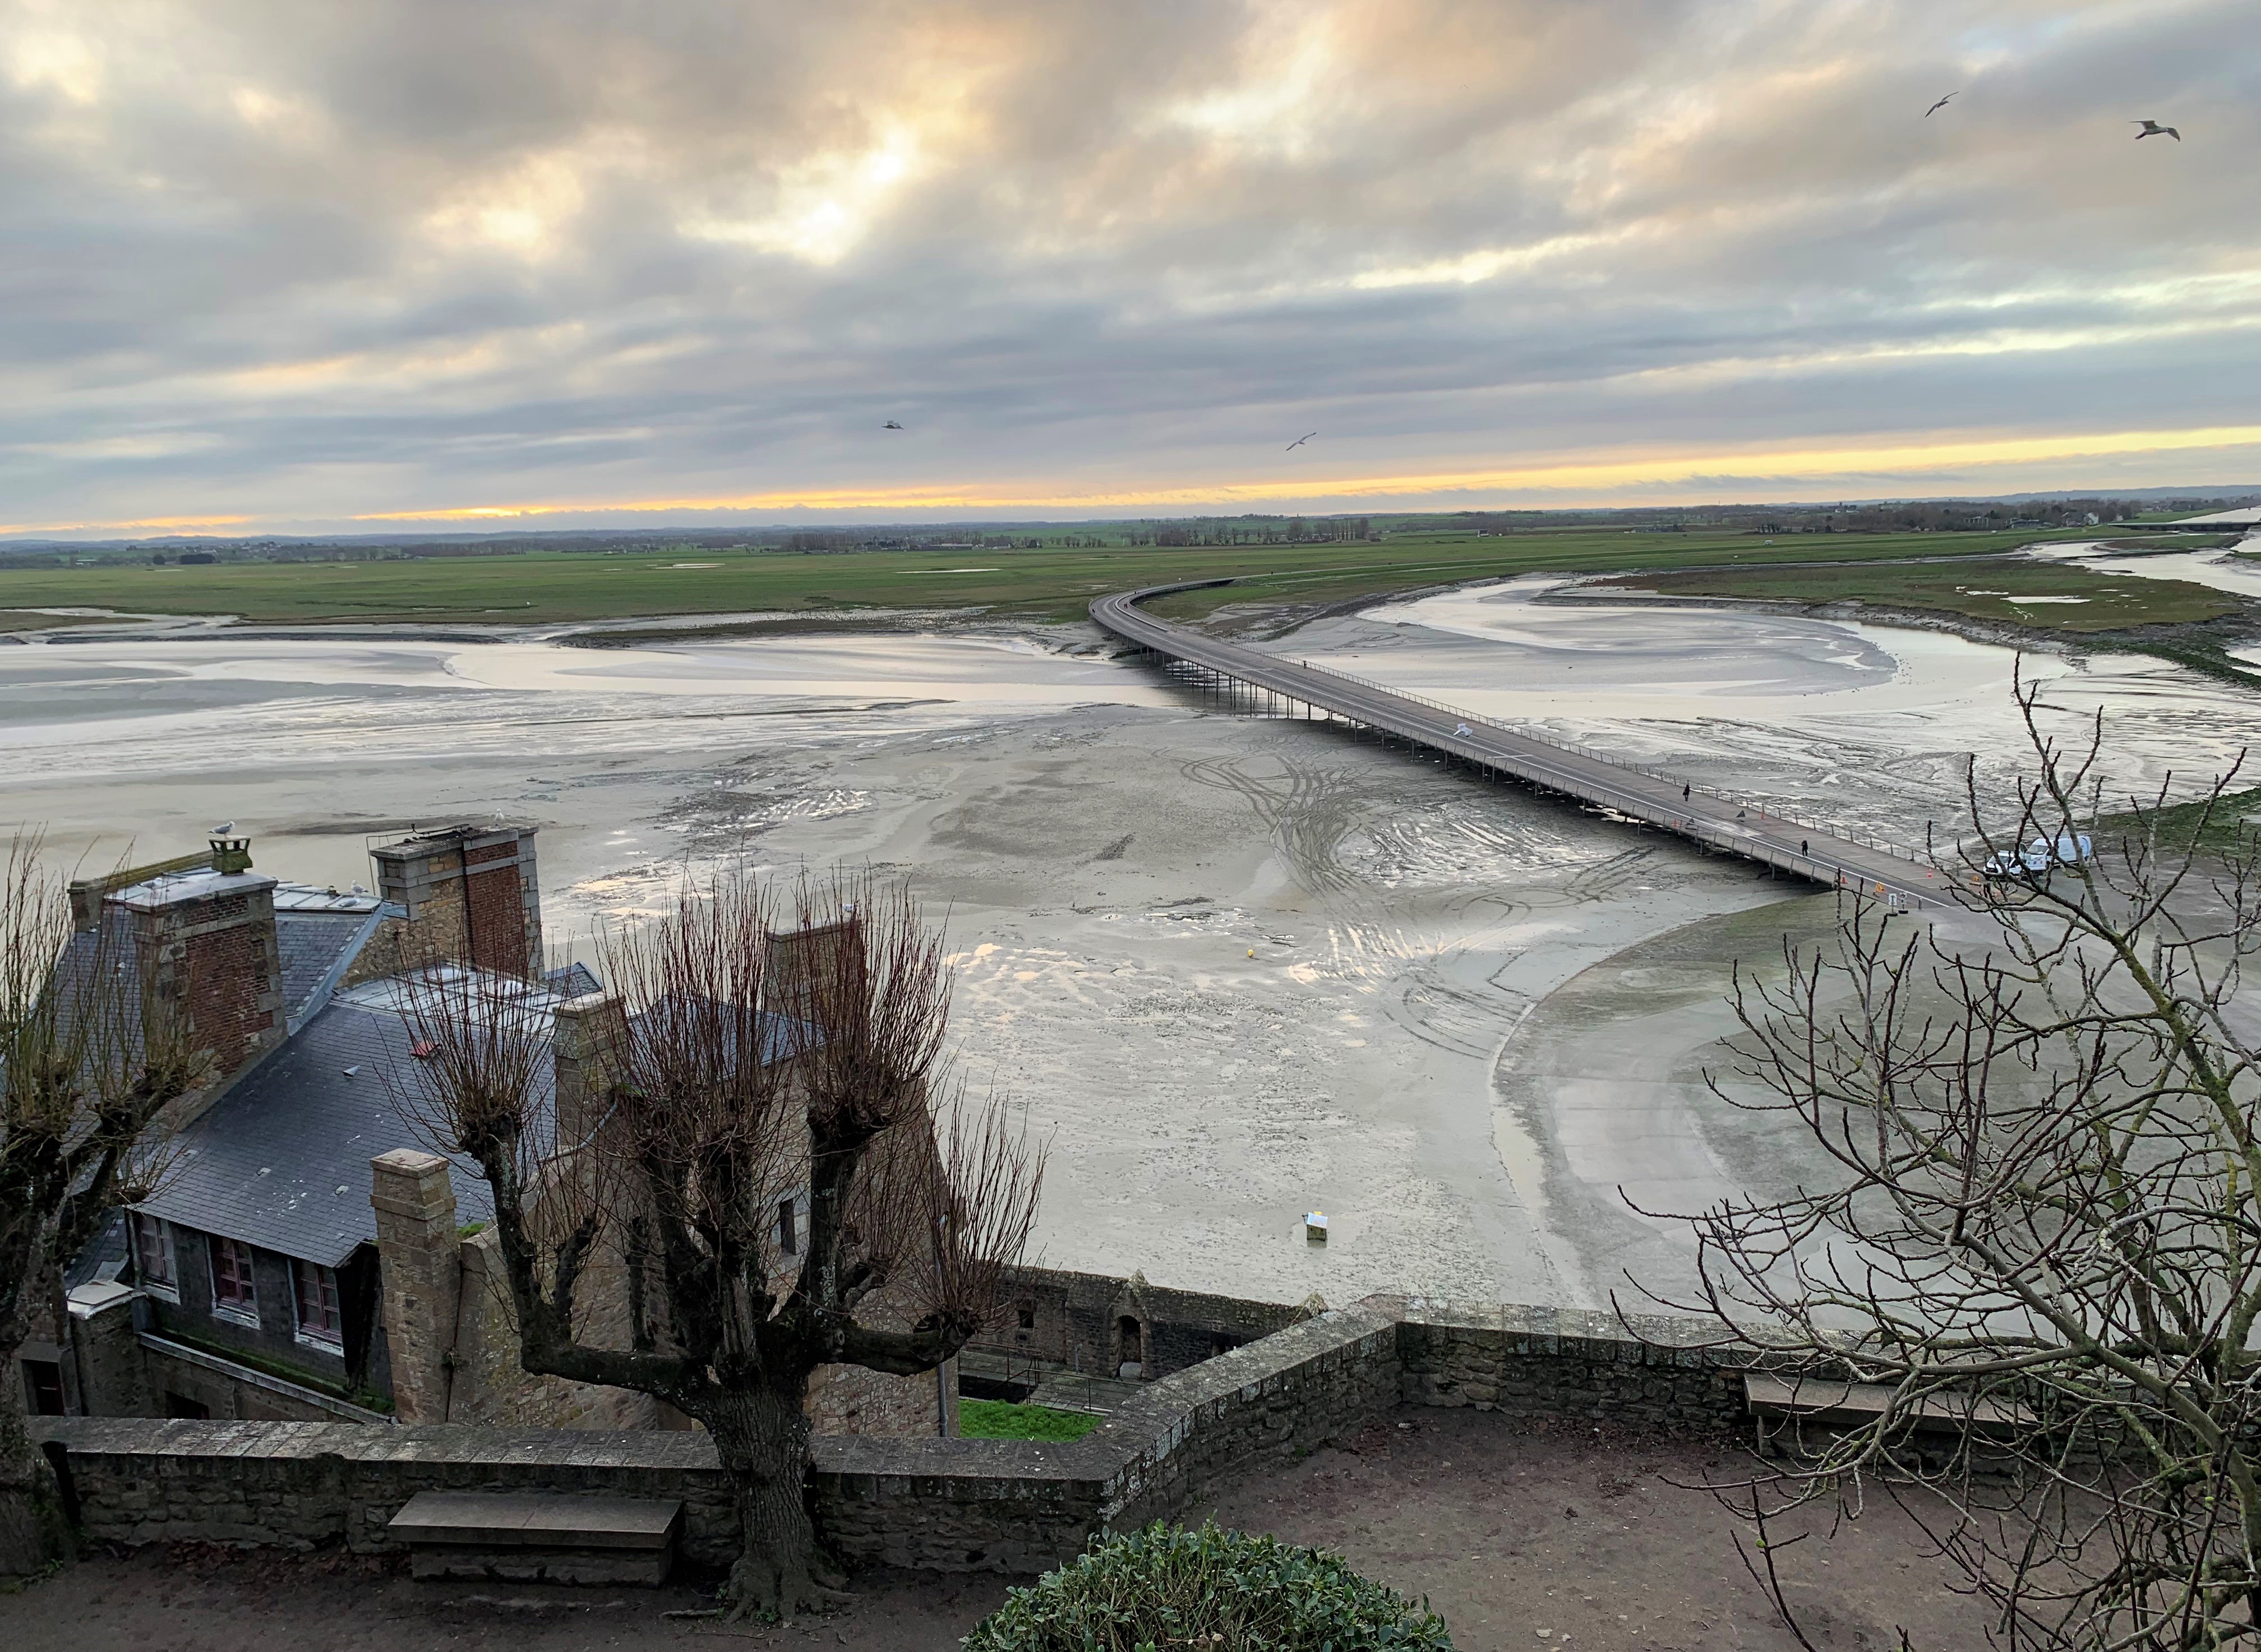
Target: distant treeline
{"points": [[1896, 517], [1922, 515]]}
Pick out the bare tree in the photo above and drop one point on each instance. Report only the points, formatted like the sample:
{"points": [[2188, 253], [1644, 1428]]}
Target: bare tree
{"points": [[752, 1066], [87, 1065], [2042, 1241]]}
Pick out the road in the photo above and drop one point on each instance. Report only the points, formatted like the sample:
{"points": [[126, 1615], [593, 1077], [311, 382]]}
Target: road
{"points": [[1653, 795]]}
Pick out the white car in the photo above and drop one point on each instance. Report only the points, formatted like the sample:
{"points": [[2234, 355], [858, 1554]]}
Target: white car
{"points": [[2039, 856]]}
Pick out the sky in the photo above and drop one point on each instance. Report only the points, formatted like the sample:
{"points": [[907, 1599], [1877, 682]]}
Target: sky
{"points": [[288, 268]]}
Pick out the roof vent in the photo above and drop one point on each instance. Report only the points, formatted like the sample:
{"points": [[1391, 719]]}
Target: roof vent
{"points": [[230, 853]]}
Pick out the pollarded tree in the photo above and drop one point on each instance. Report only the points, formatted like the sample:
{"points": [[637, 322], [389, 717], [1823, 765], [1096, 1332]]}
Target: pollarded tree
{"points": [[87, 1067], [752, 1063], [2043, 1228]]}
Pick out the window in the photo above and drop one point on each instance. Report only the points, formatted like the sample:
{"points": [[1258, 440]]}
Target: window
{"points": [[153, 1254], [788, 1240], [235, 1296], [318, 1301], [1027, 1311]]}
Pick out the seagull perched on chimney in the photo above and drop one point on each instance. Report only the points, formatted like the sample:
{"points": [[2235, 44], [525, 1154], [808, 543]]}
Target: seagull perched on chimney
{"points": [[2153, 129], [226, 829]]}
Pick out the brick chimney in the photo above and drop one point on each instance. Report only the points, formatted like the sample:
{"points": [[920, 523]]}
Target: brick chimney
{"points": [[206, 947], [471, 896]]}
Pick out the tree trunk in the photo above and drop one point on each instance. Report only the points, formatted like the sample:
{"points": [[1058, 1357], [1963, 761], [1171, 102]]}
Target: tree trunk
{"points": [[33, 1531], [762, 1438]]}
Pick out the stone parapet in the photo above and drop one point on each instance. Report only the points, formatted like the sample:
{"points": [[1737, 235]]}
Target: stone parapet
{"points": [[945, 1504], [1675, 1376]]}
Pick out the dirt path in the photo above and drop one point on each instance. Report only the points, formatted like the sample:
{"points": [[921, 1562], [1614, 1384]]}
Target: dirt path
{"points": [[1568, 1537]]}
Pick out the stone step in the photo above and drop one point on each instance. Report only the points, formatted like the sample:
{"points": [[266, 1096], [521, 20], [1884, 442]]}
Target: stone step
{"points": [[538, 1536], [1851, 1404]]}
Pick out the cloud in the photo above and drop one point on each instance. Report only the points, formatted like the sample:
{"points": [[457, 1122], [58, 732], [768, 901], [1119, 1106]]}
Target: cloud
{"points": [[412, 257]]}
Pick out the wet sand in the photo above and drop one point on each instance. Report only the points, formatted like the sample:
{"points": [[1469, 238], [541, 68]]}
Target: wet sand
{"points": [[1231, 969], [1875, 726]]}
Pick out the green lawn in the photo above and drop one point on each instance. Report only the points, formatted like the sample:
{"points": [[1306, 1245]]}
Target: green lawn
{"points": [[2003, 592], [1051, 583], [1002, 1419]]}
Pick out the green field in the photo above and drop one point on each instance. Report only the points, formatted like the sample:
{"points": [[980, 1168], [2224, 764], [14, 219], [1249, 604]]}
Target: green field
{"points": [[1002, 1419], [2004, 593], [554, 587], [2229, 825]]}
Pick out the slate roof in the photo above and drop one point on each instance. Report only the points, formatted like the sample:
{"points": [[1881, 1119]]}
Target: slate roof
{"points": [[102, 1258], [316, 947], [577, 979], [113, 944], [282, 1161]]}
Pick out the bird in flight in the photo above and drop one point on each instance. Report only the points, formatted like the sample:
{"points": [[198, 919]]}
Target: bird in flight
{"points": [[1297, 442], [1941, 105], [2153, 129], [891, 425]]}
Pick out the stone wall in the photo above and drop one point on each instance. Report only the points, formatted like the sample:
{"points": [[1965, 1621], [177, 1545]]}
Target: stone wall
{"points": [[946, 1503], [485, 1383], [1078, 1321], [1669, 1375]]}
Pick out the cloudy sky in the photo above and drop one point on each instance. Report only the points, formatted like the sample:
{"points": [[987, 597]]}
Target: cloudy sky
{"points": [[287, 266]]}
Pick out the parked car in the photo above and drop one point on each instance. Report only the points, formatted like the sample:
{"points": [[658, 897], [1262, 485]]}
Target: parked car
{"points": [[2041, 857]]}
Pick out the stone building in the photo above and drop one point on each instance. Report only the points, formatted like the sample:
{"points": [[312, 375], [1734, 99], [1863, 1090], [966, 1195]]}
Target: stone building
{"points": [[303, 1258]]}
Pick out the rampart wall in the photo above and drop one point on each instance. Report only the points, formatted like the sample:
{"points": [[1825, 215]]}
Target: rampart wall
{"points": [[946, 1503]]}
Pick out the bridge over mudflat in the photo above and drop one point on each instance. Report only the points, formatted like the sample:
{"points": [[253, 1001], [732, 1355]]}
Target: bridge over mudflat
{"points": [[1828, 855]]}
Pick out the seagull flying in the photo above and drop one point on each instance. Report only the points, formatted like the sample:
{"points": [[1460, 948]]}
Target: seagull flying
{"points": [[2153, 129], [1941, 105], [891, 425], [1297, 442]]}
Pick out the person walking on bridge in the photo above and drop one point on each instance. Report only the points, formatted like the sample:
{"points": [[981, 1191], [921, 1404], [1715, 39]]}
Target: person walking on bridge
{"points": [[1683, 791]]}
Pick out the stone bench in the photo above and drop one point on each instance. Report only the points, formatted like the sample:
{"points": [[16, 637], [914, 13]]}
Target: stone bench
{"points": [[538, 1537], [1780, 1403]]}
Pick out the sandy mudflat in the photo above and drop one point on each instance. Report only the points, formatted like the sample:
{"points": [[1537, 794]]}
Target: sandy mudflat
{"points": [[1232, 969], [1109, 879]]}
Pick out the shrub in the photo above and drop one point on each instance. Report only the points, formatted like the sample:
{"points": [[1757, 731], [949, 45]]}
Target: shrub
{"points": [[1002, 1419], [1166, 1587]]}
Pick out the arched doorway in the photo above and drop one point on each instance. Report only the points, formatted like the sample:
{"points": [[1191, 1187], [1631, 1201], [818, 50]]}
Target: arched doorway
{"points": [[1129, 1349]]}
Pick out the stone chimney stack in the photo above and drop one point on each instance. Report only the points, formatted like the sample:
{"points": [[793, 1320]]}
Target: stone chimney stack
{"points": [[802, 963], [418, 1259], [471, 896], [586, 1045], [207, 950]]}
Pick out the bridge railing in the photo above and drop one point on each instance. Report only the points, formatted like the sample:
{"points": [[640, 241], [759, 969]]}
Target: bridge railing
{"points": [[1526, 731], [1635, 806], [1630, 803]]}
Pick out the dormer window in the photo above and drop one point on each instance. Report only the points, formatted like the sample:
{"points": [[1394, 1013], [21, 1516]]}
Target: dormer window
{"points": [[153, 1256], [317, 1290], [235, 1293]]}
